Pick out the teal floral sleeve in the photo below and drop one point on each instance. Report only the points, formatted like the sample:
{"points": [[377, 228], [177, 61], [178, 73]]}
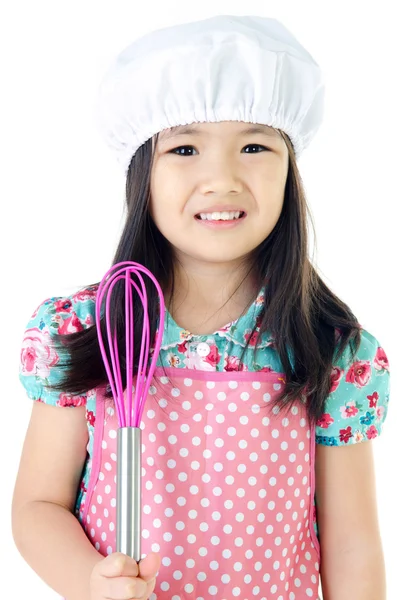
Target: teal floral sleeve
{"points": [[357, 404], [39, 362]]}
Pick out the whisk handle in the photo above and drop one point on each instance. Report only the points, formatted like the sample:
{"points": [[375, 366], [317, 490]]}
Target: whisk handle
{"points": [[128, 504]]}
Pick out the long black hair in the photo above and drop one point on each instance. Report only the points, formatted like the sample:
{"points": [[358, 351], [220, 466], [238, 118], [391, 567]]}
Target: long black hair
{"points": [[300, 312]]}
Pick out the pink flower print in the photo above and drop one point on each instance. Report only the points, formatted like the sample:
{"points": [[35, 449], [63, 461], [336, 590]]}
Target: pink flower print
{"points": [[270, 370], [372, 432], [63, 305], [213, 357], [373, 400], [336, 376], [359, 373], [358, 436], [69, 400], [89, 320], [90, 417], [182, 348], [379, 413], [350, 410], [37, 355], [70, 325], [380, 360], [89, 293], [345, 434], [325, 421], [254, 337], [232, 363]]}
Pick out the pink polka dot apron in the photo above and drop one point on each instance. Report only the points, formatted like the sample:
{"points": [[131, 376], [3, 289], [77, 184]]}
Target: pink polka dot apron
{"points": [[227, 487]]}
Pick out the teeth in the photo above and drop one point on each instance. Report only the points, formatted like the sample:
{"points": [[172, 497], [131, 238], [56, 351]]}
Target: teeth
{"points": [[220, 216]]}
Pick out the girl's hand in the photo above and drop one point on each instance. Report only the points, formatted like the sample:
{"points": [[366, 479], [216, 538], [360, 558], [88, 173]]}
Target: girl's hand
{"points": [[119, 577]]}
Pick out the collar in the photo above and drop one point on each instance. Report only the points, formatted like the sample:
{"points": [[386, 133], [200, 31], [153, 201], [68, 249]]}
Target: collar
{"points": [[236, 331]]}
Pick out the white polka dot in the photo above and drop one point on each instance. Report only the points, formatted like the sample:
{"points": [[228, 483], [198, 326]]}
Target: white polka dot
{"points": [[215, 540]]}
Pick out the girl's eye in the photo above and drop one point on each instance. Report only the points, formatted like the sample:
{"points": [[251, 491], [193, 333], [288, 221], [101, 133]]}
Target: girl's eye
{"points": [[248, 146]]}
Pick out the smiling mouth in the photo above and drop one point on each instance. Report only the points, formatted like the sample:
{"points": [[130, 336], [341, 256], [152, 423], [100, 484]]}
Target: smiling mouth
{"points": [[241, 215]]}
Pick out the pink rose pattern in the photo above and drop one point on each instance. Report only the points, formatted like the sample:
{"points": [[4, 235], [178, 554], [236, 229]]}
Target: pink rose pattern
{"points": [[362, 375]]}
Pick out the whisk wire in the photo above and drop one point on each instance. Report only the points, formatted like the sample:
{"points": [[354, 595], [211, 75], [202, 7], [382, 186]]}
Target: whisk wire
{"points": [[142, 382]]}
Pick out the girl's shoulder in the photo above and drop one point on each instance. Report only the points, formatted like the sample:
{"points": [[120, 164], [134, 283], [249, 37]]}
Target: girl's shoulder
{"points": [[66, 314], [357, 404], [39, 362]]}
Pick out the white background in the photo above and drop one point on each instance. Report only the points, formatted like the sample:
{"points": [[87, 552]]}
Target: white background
{"points": [[62, 192]]}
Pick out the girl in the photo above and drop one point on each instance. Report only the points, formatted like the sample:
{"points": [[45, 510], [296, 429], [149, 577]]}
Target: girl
{"points": [[256, 479]]}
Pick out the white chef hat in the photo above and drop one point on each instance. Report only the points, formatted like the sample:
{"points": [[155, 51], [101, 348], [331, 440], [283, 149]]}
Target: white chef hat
{"points": [[225, 68]]}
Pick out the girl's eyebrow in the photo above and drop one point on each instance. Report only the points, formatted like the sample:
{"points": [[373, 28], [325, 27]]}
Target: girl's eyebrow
{"points": [[188, 129]]}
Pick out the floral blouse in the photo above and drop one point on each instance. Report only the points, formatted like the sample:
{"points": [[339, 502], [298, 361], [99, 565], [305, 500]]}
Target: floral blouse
{"points": [[354, 411]]}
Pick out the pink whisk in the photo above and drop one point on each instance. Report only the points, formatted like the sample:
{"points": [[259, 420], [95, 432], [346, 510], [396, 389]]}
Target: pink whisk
{"points": [[129, 444]]}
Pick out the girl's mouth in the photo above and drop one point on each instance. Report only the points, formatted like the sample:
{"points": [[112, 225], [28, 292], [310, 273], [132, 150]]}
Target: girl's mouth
{"points": [[221, 224]]}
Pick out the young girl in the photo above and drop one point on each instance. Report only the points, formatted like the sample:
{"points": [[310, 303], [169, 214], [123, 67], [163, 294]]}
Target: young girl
{"points": [[256, 479]]}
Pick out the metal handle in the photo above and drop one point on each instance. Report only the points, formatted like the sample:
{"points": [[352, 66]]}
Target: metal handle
{"points": [[128, 505]]}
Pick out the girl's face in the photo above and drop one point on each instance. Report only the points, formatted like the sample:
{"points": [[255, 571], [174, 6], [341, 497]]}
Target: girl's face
{"points": [[217, 164]]}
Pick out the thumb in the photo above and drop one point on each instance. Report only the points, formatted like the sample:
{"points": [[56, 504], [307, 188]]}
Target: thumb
{"points": [[149, 566]]}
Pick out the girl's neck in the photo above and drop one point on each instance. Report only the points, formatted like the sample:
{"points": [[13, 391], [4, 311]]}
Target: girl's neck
{"points": [[203, 312]]}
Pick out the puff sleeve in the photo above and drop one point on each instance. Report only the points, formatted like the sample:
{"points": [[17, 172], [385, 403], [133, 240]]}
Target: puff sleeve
{"points": [[357, 404], [39, 361]]}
